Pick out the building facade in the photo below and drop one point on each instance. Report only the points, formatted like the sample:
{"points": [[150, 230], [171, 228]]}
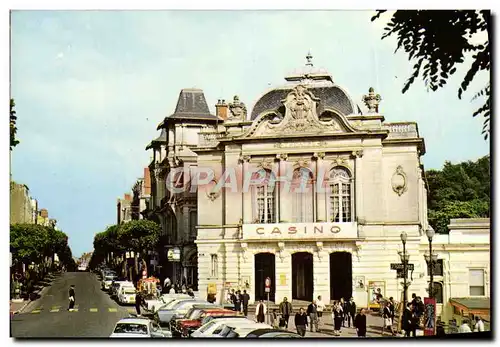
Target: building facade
{"points": [[124, 209], [23, 208], [141, 194], [316, 194]]}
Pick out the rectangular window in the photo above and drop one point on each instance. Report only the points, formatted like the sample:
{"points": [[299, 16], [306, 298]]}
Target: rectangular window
{"points": [[265, 204], [335, 207], [214, 264], [476, 282]]}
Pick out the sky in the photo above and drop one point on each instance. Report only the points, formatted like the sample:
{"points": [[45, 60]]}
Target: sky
{"points": [[92, 86]]}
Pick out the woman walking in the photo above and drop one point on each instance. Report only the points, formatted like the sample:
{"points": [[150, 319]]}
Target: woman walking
{"points": [[387, 315]]}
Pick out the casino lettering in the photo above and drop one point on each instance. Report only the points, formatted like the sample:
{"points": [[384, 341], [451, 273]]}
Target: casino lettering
{"points": [[305, 230]]}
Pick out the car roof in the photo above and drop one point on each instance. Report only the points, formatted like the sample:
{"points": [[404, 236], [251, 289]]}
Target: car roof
{"points": [[228, 317], [217, 310], [238, 326], [259, 332]]}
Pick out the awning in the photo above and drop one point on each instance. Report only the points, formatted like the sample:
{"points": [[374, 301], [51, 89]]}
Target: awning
{"points": [[476, 306]]}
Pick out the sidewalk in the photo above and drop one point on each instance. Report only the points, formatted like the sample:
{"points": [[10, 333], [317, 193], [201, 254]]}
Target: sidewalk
{"points": [[374, 325], [18, 307]]}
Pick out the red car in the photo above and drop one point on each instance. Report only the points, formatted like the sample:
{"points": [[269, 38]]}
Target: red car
{"points": [[186, 326]]}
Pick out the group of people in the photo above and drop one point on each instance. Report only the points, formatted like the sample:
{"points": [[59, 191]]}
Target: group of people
{"points": [[169, 288], [240, 301], [412, 315]]}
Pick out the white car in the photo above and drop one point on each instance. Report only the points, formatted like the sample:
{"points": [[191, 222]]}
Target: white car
{"points": [[107, 280], [215, 326], [126, 294], [138, 327], [234, 330], [154, 305]]}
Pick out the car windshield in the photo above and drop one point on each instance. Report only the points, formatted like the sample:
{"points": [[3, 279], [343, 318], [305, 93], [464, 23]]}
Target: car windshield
{"points": [[207, 326], [191, 313], [181, 304], [130, 328], [110, 278], [129, 291]]}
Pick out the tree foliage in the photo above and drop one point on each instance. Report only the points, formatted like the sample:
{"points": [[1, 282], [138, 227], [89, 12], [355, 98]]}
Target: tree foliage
{"points": [[458, 191], [437, 41], [13, 128]]}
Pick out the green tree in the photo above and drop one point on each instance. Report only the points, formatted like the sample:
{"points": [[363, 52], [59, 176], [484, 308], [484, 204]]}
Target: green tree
{"points": [[13, 129], [139, 236], [458, 191], [436, 41]]}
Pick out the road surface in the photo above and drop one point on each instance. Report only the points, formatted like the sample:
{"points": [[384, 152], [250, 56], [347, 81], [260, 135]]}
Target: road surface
{"points": [[95, 316]]}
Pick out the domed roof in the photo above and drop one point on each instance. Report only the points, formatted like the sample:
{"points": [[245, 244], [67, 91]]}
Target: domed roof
{"points": [[319, 82]]}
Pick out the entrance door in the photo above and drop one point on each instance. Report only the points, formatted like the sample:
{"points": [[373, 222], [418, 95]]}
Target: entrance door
{"points": [[302, 276], [340, 275], [264, 267]]}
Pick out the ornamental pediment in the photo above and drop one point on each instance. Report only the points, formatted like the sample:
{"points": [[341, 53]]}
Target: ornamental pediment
{"points": [[300, 118]]}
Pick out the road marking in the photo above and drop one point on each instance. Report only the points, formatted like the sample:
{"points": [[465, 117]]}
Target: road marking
{"points": [[93, 310], [54, 310], [112, 309], [131, 310], [36, 311]]}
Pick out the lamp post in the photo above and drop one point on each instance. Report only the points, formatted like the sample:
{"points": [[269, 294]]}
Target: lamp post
{"points": [[404, 260], [431, 260]]}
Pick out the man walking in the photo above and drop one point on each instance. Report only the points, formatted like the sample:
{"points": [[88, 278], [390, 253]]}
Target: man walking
{"points": [[138, 303], [360, 323], [245, 299], [260, 312], [301, 322], [71, 298], [350, 311], [312, 312], [285, 310]]}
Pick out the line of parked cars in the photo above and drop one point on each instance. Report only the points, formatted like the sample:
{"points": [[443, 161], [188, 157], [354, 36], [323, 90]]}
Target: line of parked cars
{"points": [[190, 317], [122, 291]]}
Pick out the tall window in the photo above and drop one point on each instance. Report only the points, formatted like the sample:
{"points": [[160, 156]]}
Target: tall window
{"points": [[438, 268], [214, 264], [340, 208], [264, 196], [476, 282], [302, 196], [438, 292], [193, 220]]}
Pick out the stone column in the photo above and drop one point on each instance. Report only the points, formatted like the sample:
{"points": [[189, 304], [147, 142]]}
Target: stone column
{"points": [[358, 186], [283, 268], [321, 272], [320, 195], [282, 196]]}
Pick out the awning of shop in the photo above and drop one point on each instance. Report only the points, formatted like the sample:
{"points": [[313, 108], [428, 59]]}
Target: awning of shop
{"points": [[476, 306]]}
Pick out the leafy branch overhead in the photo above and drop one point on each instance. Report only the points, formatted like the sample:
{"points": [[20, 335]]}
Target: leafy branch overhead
{"points": [[439, 40], [13, 128]]}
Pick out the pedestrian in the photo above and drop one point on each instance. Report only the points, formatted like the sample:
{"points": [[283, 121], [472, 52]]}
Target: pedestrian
{"points": [[274, 318], [244, 301], [350, 312], [387, 314], [285, 310], [479, 326], [237, 302], [392, 307], [301, 322], [321, 308], [406, 320], [71, 298], [240, 298], [360, 323], [464, 328], [337, 318], [172, 290], [312, 312], [440, 329], [138, 303], [260, 312], [344, 310], [190, 292], [232, 299], [414, 320]]}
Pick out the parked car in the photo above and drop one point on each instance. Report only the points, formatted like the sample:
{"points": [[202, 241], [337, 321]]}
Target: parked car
{"points": [[272, 333], [154, 305], [178, 310], [115, 286], [137, 327], [126, 294], [237, 329], [184, 327], [211, 318], [107, 280], [215, 326]]}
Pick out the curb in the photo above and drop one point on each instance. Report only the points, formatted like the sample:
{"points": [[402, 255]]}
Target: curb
{"points": [[39, 292], [22, 308]]}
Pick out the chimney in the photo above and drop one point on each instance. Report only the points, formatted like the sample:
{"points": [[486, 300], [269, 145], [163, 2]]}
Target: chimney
{"points": [[128, 197], [44, 213], [221, 109], [147, 181]]}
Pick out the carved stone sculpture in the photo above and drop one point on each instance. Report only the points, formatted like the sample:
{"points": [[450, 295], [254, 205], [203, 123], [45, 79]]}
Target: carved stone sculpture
{"points": [[372, 100], [399, 181], [238, 110]]}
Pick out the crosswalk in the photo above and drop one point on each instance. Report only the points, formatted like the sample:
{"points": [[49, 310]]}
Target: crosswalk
{"points": [[56, 309]]}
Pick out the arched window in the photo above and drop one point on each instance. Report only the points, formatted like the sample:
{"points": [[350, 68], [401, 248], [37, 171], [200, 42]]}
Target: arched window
{"points": [[438, 292], [340, 195], [264, 196], [302, 196]]}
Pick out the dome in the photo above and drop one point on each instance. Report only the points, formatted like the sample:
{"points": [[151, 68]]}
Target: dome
{"points": [[319, 82]]}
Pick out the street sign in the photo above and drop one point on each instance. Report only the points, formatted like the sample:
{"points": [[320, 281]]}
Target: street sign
{"points": [[400, 266], [268, 285]]}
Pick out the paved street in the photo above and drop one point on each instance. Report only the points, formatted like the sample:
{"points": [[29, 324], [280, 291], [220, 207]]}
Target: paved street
{"points": [[48, 316]]}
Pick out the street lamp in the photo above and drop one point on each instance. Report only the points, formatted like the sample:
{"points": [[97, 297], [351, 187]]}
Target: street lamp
{"points": [[404, 259], [431, 259]]}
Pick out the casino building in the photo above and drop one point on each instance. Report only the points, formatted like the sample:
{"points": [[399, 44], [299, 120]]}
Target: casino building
{"points": [[316, 193], [353, 184]]}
